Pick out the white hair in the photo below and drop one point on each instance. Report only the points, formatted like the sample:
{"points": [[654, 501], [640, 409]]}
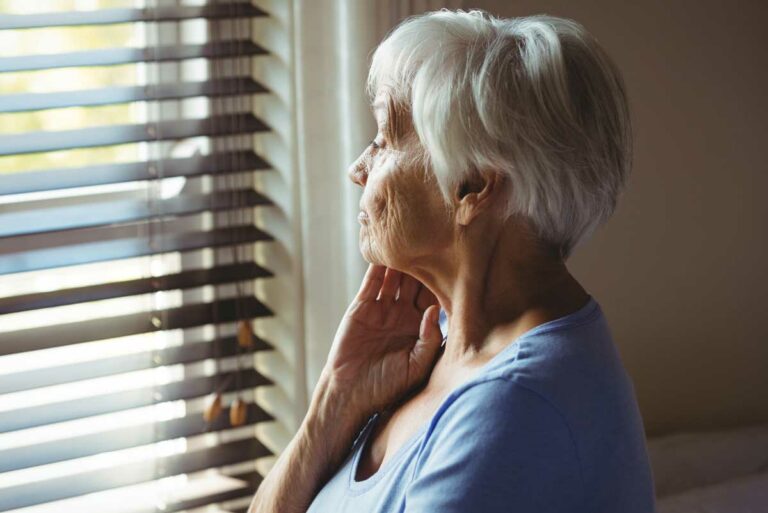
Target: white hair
{"points": [[533, 98]]}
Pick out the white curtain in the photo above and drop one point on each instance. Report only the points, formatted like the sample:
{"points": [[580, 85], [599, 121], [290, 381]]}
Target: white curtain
{"points": [[334, 40]]}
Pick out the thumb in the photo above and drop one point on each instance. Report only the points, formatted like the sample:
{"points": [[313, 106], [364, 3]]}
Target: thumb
{"points": [[430, 338]]}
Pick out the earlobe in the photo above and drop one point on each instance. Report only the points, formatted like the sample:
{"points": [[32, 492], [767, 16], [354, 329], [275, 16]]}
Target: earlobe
{"points": [[464, 212], [473, 195]]}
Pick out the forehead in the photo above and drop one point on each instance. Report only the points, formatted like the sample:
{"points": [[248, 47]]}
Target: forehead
{"points": [[394, 121], [380, 101], [380, 106]]}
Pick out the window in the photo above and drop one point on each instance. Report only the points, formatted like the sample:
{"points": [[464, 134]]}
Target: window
{"points": [[129, 253]]}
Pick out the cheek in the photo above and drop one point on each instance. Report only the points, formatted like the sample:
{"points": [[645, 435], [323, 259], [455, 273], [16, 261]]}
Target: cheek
{"points": [[380, 192], [378, 206], [404, 215], [382, 235], [427, 224]]}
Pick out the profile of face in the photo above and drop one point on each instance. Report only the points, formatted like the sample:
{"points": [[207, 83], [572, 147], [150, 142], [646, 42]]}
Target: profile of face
{"points": [[403, 217]]}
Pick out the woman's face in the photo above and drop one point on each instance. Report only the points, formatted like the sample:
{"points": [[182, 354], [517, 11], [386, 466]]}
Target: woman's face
{"points": [[402, 213]]}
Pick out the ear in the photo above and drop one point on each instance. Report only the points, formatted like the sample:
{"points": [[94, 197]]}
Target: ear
{"points": [[475, 195]]}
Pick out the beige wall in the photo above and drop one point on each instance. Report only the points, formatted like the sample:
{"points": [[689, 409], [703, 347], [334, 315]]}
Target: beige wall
{"points": [[680, 270]]}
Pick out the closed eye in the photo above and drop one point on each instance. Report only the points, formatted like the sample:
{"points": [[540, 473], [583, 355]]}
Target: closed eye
{"points": [[373, 144]]}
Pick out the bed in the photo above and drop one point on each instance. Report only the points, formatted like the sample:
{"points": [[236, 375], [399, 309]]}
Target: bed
{"points": [[712, 472]]}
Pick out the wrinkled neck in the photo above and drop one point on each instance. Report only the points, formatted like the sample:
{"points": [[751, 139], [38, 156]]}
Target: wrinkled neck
{"points": [[495, 284]]}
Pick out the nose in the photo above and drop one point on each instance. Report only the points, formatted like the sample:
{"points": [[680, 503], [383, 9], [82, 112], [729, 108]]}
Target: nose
{"points": [[358, 172]]}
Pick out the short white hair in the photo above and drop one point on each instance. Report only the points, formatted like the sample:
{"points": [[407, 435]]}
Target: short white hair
{"points": [[535, 98]]}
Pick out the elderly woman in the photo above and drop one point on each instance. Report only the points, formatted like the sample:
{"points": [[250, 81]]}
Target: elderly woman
{"points": [[501, 145]]}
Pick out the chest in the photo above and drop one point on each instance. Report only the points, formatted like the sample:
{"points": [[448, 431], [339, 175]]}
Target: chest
{"points": [[394, 429], [397, 427]]}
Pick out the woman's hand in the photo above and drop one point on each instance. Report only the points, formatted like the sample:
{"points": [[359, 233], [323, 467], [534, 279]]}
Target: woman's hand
{"points": [[384, 346], [382, 349]]}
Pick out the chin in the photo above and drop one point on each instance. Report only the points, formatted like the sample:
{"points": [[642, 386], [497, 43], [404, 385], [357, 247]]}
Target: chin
{"points": [[369, 255], [369, 258]]}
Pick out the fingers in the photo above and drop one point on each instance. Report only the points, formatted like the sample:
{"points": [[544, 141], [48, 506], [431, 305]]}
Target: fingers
{"points": [[429, 330], [372, 282], [390, 285], [409, 287], [425, 298], [382, 282], [424, 352]]}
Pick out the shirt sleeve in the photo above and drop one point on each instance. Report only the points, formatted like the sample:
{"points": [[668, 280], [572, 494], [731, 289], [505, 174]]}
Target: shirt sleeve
{"points": [[498, 447]]}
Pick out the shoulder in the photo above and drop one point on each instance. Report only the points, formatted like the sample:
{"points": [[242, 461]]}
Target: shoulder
{"points": [[496, 443], [498, 405], [498, 418]]}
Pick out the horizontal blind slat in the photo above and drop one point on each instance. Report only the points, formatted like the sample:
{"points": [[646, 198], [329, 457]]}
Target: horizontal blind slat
{"points": [[116, 56], [34, 217], [93, 481], [115, 16], [182, 280], [72, 409], [97, 368], [250, 482], [110, 135], [239, 493], [123, 438], [25, 102], [103, 174], [162, 230], [84, 246], [188, 316]]}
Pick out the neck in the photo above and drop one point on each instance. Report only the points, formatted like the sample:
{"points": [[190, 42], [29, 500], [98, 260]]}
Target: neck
{"points": [[493, 293]]}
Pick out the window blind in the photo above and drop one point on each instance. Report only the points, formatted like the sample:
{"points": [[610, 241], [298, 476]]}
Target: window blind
{"points": [[127, 310]]}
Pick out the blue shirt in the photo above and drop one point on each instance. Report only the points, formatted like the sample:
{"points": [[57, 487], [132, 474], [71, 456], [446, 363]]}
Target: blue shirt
{"points": [[550, 424]]}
